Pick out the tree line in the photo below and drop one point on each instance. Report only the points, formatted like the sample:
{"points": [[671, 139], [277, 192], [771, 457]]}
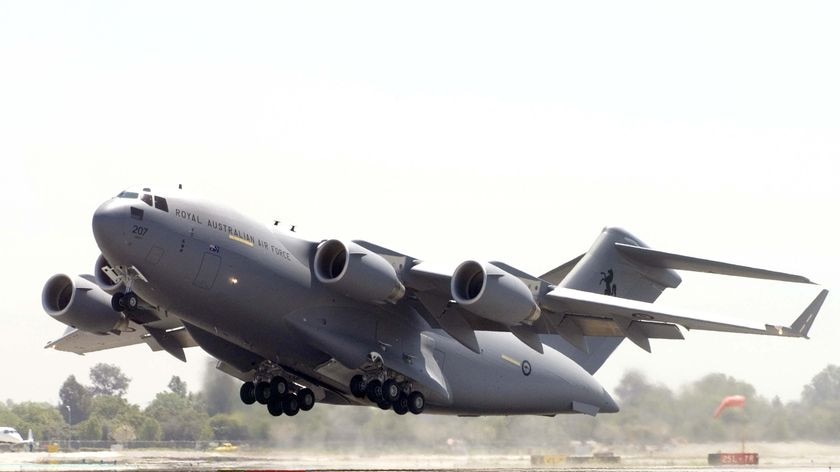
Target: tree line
{"points": [[651, 414]]}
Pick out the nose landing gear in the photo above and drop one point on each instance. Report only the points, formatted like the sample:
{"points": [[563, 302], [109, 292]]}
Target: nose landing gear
{"points": [[128, 300]]}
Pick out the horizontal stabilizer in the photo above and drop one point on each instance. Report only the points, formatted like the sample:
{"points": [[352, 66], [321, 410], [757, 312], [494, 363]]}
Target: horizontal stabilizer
{"points": [[665, 260], [556, 275]]}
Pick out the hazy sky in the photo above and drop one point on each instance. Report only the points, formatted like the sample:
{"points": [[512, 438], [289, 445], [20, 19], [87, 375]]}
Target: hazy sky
{"points": [[448, 130]]}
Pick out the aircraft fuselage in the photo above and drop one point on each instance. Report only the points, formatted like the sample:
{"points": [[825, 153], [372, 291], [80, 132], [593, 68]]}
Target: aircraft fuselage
{"points": [[253, 286]]}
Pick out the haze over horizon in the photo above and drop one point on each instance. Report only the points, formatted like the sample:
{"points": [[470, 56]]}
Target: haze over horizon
{"points": [[485, 130]]}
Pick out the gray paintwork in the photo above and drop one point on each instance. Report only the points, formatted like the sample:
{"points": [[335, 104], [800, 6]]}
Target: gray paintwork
{"points": [[245, 292]]}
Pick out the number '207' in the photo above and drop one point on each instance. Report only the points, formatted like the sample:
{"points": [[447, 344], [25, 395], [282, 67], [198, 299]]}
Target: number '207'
{"points": [[139, 230]]}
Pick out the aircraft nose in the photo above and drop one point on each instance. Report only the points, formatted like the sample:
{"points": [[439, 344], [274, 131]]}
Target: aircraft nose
{"points": [[108, 220]]}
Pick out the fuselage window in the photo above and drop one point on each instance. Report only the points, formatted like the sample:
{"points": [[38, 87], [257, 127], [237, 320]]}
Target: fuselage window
{"points": [[160, 204], [128, 195], [147, 199]]}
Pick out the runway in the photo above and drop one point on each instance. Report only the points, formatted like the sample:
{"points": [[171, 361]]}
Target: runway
{"points": [[179, 460]]}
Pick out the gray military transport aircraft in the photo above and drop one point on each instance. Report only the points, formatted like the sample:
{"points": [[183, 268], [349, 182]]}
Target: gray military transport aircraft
{"points": [[301, 321]]}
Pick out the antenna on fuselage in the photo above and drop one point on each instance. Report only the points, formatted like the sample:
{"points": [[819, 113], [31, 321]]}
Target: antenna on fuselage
{"points": [[276, 222], [180, 187]]}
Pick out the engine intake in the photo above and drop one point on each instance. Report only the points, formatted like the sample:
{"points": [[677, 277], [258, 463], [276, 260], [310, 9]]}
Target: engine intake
{"points": [[81, 304], [356, 272], [492, 293]]}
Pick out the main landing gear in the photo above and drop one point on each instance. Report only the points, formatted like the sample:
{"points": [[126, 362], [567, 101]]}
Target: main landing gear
{"points": [[278, 395], [388, 394]]}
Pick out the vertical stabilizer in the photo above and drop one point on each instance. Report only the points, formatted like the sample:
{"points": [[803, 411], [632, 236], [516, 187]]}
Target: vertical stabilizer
{"points": [[605, 271]]}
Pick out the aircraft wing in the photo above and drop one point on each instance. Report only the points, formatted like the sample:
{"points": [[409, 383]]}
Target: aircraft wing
{"points": [[163, 335], [632, 318], [574, 314]]}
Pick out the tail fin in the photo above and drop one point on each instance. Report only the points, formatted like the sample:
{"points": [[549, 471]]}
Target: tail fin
{"points": [[29, 438], [603, 270]]}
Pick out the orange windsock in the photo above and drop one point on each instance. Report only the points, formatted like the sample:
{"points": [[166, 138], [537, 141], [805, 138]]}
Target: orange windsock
{"points": [[732, 401]]}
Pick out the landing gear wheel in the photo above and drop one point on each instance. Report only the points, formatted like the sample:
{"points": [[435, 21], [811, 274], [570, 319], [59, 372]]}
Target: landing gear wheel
{"points": [[246, 393], [129, 301], [401, 405], [358, 386], [390, 390], [275, 407], [291, 406], [278, 386], [263, 392], [416, 402], [374, 391], [116, 301], [306, 399], [384, 404]]}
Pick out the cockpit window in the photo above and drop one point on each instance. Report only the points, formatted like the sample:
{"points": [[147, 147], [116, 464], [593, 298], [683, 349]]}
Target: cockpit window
{"points": [[147, 199], [160, 204], [127, 194]]}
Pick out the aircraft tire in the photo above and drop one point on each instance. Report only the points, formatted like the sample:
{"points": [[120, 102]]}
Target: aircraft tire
{"points": [[116, 301], [358, 386], [390, 390], [275, 407], [246, 393], [306, 399], [130, 301], [384, 405], [279, 386], [416, 402], [374, 391], [401, 405], [263, 392], [291, 405]]}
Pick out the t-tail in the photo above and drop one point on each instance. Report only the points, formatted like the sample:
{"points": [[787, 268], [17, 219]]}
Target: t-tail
{"points": [[626, 276], [603, 270]]}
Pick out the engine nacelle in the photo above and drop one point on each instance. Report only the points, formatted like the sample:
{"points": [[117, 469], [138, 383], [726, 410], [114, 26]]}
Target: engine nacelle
{"points": [[81, 304], [102, 279], [356, 272], [492, 293]]}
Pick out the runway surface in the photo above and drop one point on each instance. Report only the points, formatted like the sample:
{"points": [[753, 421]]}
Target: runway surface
{"points": [[179, 460]]}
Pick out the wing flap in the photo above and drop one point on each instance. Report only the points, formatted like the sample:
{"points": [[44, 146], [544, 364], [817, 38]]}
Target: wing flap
{"points": [[83, 342]]}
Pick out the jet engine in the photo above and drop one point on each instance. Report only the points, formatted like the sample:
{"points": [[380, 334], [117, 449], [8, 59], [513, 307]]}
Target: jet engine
{"points": [[492, 293], [356, 272], [81, 304], [102, 279]]}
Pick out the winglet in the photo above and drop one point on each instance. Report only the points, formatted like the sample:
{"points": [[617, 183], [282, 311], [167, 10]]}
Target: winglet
{"points": [[803, 324]]}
